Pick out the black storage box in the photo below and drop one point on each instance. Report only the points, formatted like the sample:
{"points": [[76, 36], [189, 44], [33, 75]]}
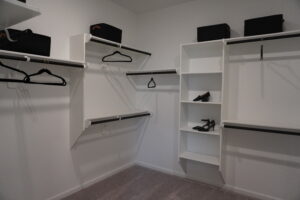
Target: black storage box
{"points": [[25, 41], [264, 25], [213, 32], [106, 31]]}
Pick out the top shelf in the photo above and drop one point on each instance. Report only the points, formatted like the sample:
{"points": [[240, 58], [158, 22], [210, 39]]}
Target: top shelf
{"points": [[13, 12]]}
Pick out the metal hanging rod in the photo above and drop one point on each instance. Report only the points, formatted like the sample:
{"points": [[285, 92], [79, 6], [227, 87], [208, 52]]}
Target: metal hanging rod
{"points": [[171, 71], [267, 130], [117, 118], [120, 46], [264, 38], [40, 60]]}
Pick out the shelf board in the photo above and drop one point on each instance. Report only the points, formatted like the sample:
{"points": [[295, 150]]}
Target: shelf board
{"points": [[13, 12], [256, 38], [262, 127], [115, 44], [201, 103], [11, 55], [190, 130], [112, 118], [201, 73], [200, 158], [151, 72]]}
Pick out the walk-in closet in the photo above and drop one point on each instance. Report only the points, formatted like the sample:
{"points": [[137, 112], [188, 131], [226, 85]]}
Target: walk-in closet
{"points": [[149, 100]]}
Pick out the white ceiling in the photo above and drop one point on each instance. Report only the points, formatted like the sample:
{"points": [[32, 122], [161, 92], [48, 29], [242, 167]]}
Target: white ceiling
{"points": [[140, 6]]}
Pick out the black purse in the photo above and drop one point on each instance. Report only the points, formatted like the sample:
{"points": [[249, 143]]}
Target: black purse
{"points": [[25, 41]]}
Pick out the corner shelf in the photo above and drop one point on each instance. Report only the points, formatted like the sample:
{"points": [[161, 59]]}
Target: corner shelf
{"points": [[11, 55], [212, 160], [13, 12], [94, 48]]}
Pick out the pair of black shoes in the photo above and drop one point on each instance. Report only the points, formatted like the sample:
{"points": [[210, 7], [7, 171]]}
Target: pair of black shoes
{"points": [[209, 125], [204, 97]]}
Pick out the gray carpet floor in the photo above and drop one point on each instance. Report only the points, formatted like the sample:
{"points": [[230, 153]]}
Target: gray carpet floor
{"points": [[138, 183]]}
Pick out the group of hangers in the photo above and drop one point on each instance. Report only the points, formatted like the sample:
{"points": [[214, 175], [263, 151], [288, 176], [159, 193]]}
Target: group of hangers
{"points": [[151, 83], [27, 77]]}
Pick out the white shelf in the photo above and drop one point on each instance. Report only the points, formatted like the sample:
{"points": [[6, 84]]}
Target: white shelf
{"points": [[111, 118], [200, 158], [13, 12], [202, 103], [11, 55], [191, 130], [152, 72], [201, 73], [252, 125]]}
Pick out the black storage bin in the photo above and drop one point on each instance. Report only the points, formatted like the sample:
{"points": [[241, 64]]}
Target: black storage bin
{"points": [[107, 32], [25, 41], [263, 25], [213, 32]]}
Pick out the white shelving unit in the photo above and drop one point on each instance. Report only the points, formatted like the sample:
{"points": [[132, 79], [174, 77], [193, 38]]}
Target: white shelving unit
{"points": [[102, 92], [201, 71], [13, 12]]}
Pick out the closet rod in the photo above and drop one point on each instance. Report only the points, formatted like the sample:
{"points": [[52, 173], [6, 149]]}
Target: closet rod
{"points": [[121, 46], [264, 38], [262, 130], [151, 72], [44, 61], [117, 118]]}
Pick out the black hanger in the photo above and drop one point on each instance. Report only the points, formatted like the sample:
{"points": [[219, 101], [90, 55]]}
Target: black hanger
{"points": [[62, 83], [151, 83], [16, 70], [117, 52]]}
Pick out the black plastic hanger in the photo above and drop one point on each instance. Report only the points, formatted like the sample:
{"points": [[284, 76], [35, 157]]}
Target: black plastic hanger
{"points": [[114, 53], [151, 83], [62, 83], [16, 70]]}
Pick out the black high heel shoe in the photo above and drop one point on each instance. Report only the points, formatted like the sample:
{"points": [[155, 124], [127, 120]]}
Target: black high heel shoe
{"points": [[204, 97], [206, 127]]}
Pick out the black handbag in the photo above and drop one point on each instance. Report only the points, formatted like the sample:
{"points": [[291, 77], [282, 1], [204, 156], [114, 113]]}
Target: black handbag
{"points": [[25, 41], [107, 32], [213, 32], [264, 25]]}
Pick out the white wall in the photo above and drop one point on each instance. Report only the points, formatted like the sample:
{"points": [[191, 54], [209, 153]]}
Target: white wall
{"points": [[36, 160], [161, 32]]}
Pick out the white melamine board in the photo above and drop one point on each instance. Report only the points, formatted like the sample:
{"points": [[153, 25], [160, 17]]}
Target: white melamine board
{"points": [[187, 129], [13, 12], [200, 158]]}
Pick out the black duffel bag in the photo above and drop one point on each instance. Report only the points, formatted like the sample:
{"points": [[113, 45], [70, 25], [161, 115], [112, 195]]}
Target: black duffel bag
{"points": [[25, 41]]}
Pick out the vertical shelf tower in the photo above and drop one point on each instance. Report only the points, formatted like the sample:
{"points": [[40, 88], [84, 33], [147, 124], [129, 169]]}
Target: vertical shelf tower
{"points": [[201, 71]]}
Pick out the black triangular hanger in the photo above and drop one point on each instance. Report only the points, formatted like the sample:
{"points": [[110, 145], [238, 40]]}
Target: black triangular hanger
{"points": [[13, 69], [114, 53], [62, 83], [151, 83]]}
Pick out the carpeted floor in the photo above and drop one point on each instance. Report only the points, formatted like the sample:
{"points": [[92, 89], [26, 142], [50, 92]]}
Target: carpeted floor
{"points": [[138, 183]]}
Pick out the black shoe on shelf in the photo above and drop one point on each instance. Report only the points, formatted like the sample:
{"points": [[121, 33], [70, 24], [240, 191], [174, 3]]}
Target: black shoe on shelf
{"points": [[208, 126], [204, 97]]}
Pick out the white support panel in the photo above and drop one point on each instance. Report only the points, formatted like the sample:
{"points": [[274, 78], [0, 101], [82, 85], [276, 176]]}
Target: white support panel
{"points": [[13, 12]]}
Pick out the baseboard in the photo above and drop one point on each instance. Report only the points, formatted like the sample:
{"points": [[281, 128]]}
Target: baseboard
{"points": [[91, 182], [250, 193], [160, 169]]}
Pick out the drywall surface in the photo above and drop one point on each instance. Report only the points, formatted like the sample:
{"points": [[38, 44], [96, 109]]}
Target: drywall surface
{"points": [[36, 160], [267, 166]]}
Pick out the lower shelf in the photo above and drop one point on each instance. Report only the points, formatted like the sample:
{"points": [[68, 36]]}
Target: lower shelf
{"points": [[200, 158], [191, 130]]}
